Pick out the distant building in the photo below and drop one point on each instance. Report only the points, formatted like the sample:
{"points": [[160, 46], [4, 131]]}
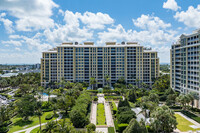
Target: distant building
{"points": [[78, 63], [185, 66]]}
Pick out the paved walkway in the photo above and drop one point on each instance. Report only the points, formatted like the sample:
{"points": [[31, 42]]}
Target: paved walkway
{"points": [[93, 116], [28, 130], [108, 113]]}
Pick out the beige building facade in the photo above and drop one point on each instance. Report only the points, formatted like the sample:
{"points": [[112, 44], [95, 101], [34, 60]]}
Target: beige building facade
{"points": [[79, 62]]}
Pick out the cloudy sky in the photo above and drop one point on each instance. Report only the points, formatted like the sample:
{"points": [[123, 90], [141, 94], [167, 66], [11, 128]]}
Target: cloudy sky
{"points": [[28, 27]]}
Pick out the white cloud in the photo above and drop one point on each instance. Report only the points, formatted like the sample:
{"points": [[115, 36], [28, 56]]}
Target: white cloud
{"points": [[61, 12], [17, 49], [12, 42], [91, 20], [190, 18], [154, 31], [7, 23], [151, 23], [31, 14], [171, 4], [14, 36], [96, 21]]}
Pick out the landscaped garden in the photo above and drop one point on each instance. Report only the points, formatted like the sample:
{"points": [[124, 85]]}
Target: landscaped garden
{"points": [[184, 124], [19, 124], [101, 119]]}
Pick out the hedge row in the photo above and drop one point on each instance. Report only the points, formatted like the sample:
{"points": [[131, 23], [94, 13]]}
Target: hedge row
{"points": [[49, 116], [113, 97], [114, 107], [191, 115], [111, 130]]}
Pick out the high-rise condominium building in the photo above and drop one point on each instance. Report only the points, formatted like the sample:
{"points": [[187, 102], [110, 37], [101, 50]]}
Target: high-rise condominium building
{"points": [[78, 63], [185, 68]]}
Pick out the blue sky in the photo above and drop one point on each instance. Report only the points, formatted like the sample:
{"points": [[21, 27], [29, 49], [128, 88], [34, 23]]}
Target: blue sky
{"points": [[28, 27]]}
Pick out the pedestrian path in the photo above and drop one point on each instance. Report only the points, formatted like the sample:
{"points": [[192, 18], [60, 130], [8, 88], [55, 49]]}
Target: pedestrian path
{"points": [[28, 130], [108, 114], [93, 117]]}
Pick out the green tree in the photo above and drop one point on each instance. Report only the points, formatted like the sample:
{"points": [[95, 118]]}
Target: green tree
{"points": [[132, 96], [65, 127], [66, 102], [92, 82], [38, 111], [162, 83], [163, 119], [107, 79], [135, 127], [154, 97], [90, 128], [50, 127], [25, 106]]}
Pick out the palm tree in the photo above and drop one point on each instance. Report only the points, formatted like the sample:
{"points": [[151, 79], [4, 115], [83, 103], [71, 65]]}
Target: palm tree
{"points": [[65, 127], [193, 96], [54, 106], [50, 126], [138, 82], [107, 79], [48, 91], [38, 111], [92, 82]]}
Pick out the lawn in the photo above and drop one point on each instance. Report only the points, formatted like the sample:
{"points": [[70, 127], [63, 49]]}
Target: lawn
{"points": [[36, 130], [183, 124], [111, 130], [101, 119], [19, 124]]}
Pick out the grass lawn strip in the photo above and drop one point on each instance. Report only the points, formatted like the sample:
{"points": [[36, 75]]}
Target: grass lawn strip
{"points": [[19, 124], [101, 119], [184, 124]]}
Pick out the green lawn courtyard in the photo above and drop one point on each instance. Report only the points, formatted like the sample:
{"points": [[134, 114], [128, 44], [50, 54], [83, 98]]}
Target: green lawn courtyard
{"points": [[184, 124], [101, 119], [19, 124]]}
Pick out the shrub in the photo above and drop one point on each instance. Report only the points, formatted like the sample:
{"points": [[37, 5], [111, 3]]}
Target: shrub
{"points": [[123, 103], [116, 125], [91, 127], [47, 110], [46, 105], [49, 116], [113, 97], [6, 123], [114, 107], [126, 116], [191, 115], [95, 98], [4, 129], [149, 129], [122, 127]]}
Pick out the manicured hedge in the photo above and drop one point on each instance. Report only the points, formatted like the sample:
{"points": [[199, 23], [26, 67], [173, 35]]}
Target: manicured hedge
{"points": [[191, 115], [49, 116], [113, 97], [114, 107], [116, 125], [122, 127], [111, 130]]}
